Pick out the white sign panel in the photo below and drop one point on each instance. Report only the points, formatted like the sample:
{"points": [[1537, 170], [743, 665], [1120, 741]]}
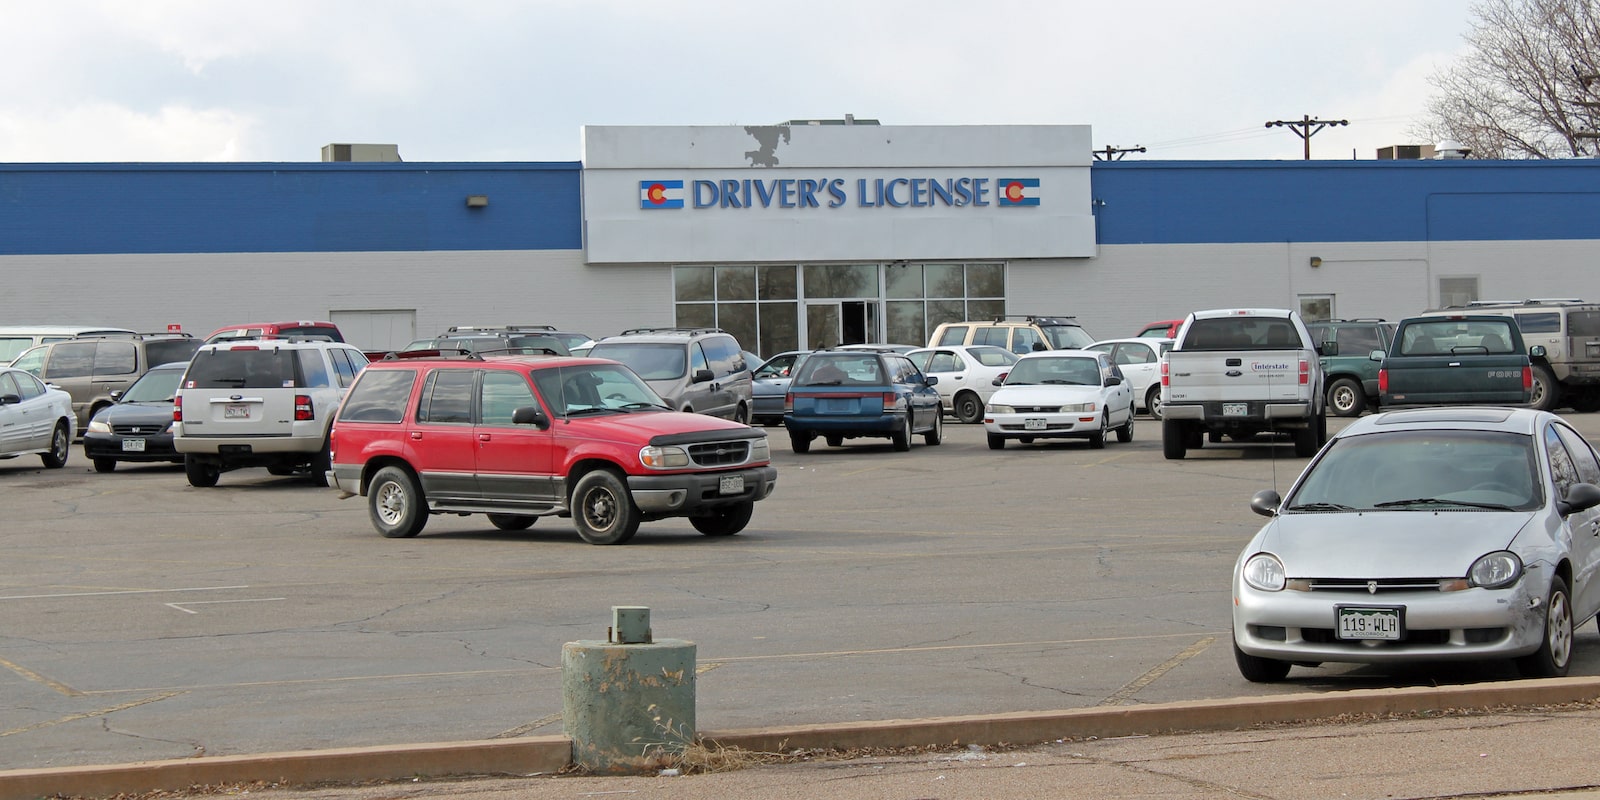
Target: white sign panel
{"points": [[836, 193]]}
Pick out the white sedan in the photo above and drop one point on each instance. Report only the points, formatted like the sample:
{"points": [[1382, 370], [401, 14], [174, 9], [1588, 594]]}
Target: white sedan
{"points": [[1057, 394], [1140, 362], [35, 419], [968, 375]]}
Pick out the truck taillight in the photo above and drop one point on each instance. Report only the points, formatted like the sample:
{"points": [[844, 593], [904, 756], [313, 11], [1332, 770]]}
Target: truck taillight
{"points": [[1527, 379], [177, 408], [1383, 380], [302, 408], [1305, 372], [1165, 379]]}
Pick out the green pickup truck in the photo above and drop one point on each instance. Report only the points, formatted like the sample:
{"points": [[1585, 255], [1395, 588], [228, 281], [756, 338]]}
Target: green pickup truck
{"points": [[1460, 359]]}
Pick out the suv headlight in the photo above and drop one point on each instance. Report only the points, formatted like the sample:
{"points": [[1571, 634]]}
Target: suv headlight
{"points": [[663, 457], [1496, 570], [1265, 572], [759, 450]]}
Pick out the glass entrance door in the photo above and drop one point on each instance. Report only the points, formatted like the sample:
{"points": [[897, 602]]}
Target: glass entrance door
{"points": [[824, 326]]}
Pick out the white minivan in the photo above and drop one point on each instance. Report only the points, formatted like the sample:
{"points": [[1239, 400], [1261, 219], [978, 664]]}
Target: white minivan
{"points": [[16, 338]]}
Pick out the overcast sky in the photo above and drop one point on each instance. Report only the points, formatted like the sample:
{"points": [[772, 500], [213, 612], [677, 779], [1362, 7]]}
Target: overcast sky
{"points": [[499, 80]]}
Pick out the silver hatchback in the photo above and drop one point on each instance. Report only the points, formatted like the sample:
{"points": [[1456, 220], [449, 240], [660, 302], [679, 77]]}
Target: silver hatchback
{"points": [[1440, 534]]}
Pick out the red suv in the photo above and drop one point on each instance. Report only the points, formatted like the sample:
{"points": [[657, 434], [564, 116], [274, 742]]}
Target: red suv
{"points": [[523, 437]]}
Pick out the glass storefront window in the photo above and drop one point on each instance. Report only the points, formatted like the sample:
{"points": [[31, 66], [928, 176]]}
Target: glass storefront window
{"points": [[841, 280], [778, 283], [907, 322], [986, 309], [945, 280], [739, 319], [986, 280], [780, 328], [736, 283], [693, 283], [903, 280], [697, 315]]}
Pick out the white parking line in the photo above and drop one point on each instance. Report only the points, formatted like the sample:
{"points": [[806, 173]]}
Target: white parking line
{"points": [[122, 591], [180, 606]]}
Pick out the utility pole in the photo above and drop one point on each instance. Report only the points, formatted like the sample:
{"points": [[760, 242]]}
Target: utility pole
{"points": [[1307, 127], [1585, 81], [1114, 153]]}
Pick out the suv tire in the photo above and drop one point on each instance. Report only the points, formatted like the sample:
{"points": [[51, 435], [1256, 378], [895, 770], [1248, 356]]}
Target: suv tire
{"points": [[201, 474], [1346, 398], [395, 503], [603, 510], [1546, 392]]}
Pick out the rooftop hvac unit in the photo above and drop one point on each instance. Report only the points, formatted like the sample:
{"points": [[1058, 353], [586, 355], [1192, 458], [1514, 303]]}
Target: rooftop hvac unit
{"points": [[1405, 152], [361, 152]]}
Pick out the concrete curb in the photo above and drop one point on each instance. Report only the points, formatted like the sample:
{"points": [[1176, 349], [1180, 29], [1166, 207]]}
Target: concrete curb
{"points": [[547, 754]]}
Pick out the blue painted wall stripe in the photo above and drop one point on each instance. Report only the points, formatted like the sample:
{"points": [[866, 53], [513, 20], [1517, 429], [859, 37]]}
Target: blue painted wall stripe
{"points": [[277, 208]]}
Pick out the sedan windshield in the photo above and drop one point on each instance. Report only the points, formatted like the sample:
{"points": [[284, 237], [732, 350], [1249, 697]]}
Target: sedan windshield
{"points": [[1454, 470], [1064, 371]]}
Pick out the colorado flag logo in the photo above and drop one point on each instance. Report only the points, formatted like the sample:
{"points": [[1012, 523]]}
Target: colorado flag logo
{"points": [[1018, 191], [663, 194]]}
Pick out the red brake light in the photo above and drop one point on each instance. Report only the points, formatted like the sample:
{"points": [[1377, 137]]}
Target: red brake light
{"points": [[1165, 380], [1305, 372], [1002, 377], [1383, 380], [889, 399], [302, 408], [1527, 379], [177, 408]]}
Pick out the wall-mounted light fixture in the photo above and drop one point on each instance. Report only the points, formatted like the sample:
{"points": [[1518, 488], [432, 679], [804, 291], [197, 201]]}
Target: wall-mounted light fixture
{"points": [[1316, 261], [477, 200]]}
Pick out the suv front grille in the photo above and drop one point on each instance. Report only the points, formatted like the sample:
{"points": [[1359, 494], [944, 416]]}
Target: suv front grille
{"points": [[720, 454]]}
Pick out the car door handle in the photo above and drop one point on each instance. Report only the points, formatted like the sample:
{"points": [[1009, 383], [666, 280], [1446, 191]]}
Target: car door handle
{"points": [[416, 436], [483, 437]]}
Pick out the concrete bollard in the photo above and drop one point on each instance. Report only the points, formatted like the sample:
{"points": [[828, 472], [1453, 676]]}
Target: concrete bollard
{"points": [[628, 702]]}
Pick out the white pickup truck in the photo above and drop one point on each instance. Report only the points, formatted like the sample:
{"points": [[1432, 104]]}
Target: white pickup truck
{"points": [[1242, 372]]}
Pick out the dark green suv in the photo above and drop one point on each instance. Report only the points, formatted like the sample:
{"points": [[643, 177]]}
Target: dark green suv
{"points": [[1351, 374]]}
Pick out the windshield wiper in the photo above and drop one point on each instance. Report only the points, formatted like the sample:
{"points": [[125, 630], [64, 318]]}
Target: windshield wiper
{"points": [[1438, 501], [1319, 507], [640, 406], [576, 412]]}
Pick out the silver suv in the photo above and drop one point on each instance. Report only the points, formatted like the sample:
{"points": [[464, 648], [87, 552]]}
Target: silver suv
{"points": [[694, 369], [1569, 331], [261, 403]]}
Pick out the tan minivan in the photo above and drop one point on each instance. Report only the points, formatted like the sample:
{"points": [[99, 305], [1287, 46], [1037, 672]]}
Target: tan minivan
{"points": [[16, 338], [95, 370]]}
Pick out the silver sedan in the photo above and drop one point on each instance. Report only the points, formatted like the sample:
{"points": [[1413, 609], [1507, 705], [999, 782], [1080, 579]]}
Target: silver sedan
{"points": [[1428, 535]]}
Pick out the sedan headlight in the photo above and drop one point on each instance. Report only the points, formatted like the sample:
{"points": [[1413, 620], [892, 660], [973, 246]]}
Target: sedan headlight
{"points": [[99, 426], [1079, 407], [656, 457], [1265, 572], [1496, 570], [994, 409]]}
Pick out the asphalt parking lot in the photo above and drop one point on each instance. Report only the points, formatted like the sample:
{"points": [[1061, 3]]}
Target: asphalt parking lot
{"points": [[145, 619]]}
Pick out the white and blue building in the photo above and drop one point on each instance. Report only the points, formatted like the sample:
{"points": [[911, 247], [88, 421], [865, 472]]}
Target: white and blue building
{"points": [[788, 236]]}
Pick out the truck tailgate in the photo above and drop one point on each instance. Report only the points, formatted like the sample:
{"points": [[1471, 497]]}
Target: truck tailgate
{"points": [[1212, 375], [1453, 379]]}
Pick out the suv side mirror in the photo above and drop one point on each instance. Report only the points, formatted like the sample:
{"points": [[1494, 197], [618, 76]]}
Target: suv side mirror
{"points": [[1376, 355], [1536, 351], [702, 375], [1328, 348], [530, 415]]}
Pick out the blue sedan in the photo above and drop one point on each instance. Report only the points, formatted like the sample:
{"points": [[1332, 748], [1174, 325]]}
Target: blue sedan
{"points": [[859, 393]]}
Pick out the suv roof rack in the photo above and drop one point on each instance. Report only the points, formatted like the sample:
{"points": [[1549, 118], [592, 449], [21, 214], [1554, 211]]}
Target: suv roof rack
{"points": [[1352, 319], [446, 353], [518, 351], [687, 331], [1042, 319], [494, 328]]}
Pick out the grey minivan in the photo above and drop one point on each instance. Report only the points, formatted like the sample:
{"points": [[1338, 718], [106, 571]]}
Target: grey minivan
{"points": [[694, 369]]}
